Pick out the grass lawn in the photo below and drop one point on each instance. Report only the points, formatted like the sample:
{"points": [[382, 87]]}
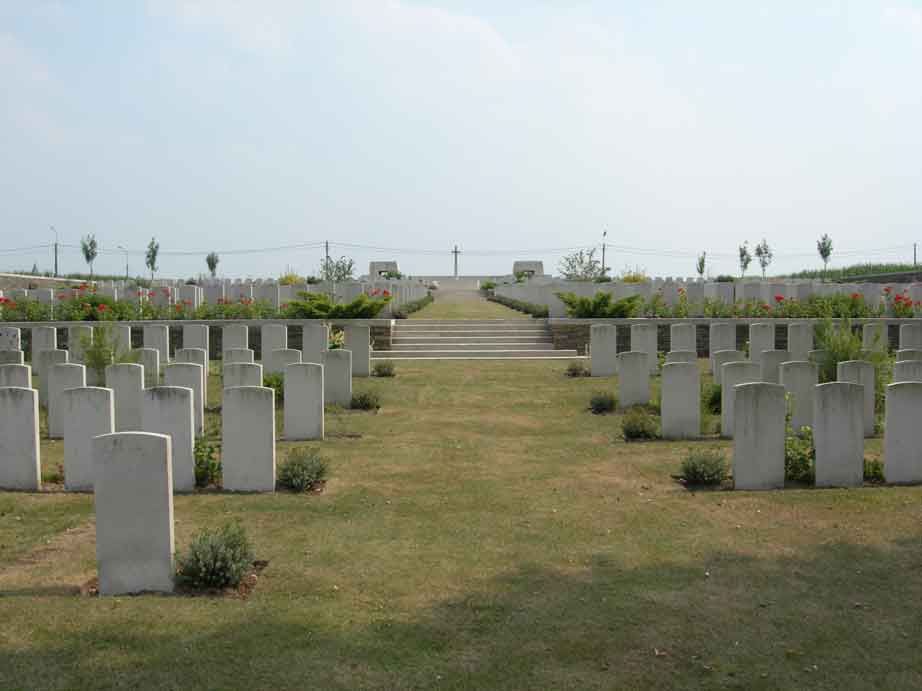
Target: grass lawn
{"points": [[485, 531], [465, 305]]}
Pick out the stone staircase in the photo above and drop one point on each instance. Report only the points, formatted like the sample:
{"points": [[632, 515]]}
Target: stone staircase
{"points": [[472, 339]]}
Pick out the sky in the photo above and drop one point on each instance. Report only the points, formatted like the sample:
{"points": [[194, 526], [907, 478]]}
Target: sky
{"points": [[397, 129]]}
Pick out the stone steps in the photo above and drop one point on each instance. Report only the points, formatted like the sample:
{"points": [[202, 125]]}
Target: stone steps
{"points": [[474, 355], [447, 340], [465, 345]]}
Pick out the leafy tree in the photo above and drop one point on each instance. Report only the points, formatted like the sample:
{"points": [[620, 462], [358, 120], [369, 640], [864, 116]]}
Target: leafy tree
{"points": [[212, 261], [764, 255], [35, 268], [150, 259], [699, 266], [337, 270], [90, 250], [581, 266], [824, 247], [745, 258]]}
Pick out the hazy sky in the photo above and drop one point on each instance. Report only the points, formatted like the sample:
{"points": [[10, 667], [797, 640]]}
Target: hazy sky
{"points": [[507, 128]]}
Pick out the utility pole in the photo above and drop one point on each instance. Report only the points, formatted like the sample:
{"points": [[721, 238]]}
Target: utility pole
{"points": [[456, 252], [604, 270], [55, 251], [325, 274], [914, 254]]}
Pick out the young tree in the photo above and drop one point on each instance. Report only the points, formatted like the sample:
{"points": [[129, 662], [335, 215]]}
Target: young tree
{"points": [[212, 261], [35, 268], [90, 250], [745, 258], [764, 255], [150, 259], [581, 266], [824, 247], [337, 270], [699, 266]]}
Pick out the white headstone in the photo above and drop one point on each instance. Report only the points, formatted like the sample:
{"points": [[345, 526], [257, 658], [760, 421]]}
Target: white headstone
{"points": [[722, 357], [273, 337], [874, 337], [633, 379], [675, 356], [60, 378], [242, 374], [195, 336], [799, 380], [721, 336], [43, 338], [911, 336], [196, 356], [46, 360], [903, 433], [357, 340], [681, 401], [277, 361], [761, 338], [235, 337], [908, 354], [12, 357], [905, 370], [149, 358], [861, 372], [157, 336], [248, 446], [126, 381], [237, 355], [190, 376], [683, 337], [10, 338], [168, 410], [20, 455], [771, 362], [603, 349], [643, 339], [337, 377], [304, 401], [78, 338], [88, 412], [16, 375], [800, 340], [731, 375], [838, 434], [315, 339], [758, 435]]}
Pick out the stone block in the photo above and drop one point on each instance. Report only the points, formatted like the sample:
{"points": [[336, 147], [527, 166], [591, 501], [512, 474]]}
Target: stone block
{"points": [[337, 377], [633, 379], [242, 374], [799, 379], [603, 350], [20, 455], [168, 410], [88, 412], [16, 375], [357, 340], [681, 401], [303, 401], [126, 379], [191, 376], [733, 374], [861, 372], [248, 448], [758, 436], [838, 409], [60, 378]]}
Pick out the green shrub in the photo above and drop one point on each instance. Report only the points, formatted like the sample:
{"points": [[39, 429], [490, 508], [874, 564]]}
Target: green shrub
{"points": [[320, 306], [639, 424], [216, 558], [303, 470], [704, 467], [576, 369], [602, 402], [710, 399], [366, 400], [409, 308], [277, 382], [873, 470], [383, 369], [799, 456], [602, 305], [487, 285], [102, 350], [531, 308], [207, 465]]}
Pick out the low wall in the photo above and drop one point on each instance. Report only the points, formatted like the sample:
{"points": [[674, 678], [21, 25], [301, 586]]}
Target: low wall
{"points": [[26, 282]]}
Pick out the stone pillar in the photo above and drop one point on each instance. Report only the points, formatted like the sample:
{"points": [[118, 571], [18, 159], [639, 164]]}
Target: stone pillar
{"points": [[721, 336], [20, 455], [196, 356], [681, 401], [278, 360], [838, 434], [732, 374], [242, 374], [861, 372], [60, 378], [874, 337], [633, 379], [771, 363], [76, 335], [149, 359], [358, 342], [168, 410], [238, 355], [190, 376], [315, 340], [911, 336], [758, 436], [603, 349], [10, 338], [800, 340], [903, 433], [248, 447], [43, 338], [905, 354], [235, 337], [721, 358], [643, 340], [157, 336], [126, 381], [675, 356], [905, 370], [88, 412], [799, 380], [16, 375], [195, 336], [683, 337], [303, 401], [761, 338], [132, 479], [273, 337], [337, 377], [12, 357]]}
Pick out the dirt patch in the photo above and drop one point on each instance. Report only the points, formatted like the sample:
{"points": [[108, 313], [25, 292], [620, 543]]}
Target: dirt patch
{"points": [[241, 592]]}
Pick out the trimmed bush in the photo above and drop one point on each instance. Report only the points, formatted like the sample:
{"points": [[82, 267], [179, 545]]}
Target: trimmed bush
{"points": [[602, 402], [576, 369], [409, 308], [207, 465], [873, 470], [383, 369], [216, 558], [799, 456], [704, 467], [531, 308], [366, 400], [639, 424], [710, 399], [277, 382], [303, 470]]}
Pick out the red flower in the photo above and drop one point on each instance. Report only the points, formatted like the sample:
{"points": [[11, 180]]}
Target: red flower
{"points": [[166, 291], [386, 293], [187, 303], [779, 298], [856, 296], [101, 308], [62, 296], [82, 286], [12, 305], [87, 306], [766, 306], [177, 307], [285, 306], [375, 292], [887, 290]]}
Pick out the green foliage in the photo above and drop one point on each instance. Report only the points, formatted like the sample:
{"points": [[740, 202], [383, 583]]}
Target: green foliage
{"points": [[704, 467], [799, 456], [639, 424], [409, 308], [102, 350], [392, 275], [211, 260], [581, 266], [841, 343], [276, 381], [711, 399], [602, 402], [764, 254], [337, 270], [635, 275], [383, 369], [873, 470], [855, 270], [745, 258], [150, 257], [365, 400], [90, 249], [216, 558], [600, 306], [487, 285], [531, 308], [724, 278], [207, 465], [290, 278], [303, 471], [576, 369], [320, 306]]}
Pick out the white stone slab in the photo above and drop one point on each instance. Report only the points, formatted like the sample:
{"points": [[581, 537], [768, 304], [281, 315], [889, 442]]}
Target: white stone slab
{"points": [[603, 350], [732, 374], [126, 381], [88, 412], [838, 408], [304, 401], [799, 379], [242, 374], [680, 408], [168, 410], [248, 447], [758, 436], [20, 454]]}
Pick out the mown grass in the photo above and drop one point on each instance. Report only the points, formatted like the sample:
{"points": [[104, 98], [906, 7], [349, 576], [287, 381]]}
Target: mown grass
{"points": [[464, 305], [487, 531]]}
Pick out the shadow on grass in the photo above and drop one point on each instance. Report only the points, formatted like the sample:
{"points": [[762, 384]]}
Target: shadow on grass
{"points": [[846, 616]]}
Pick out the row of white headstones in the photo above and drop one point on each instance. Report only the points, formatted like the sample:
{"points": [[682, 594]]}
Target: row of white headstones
{"points": [[133, 445], [758, 392]]}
